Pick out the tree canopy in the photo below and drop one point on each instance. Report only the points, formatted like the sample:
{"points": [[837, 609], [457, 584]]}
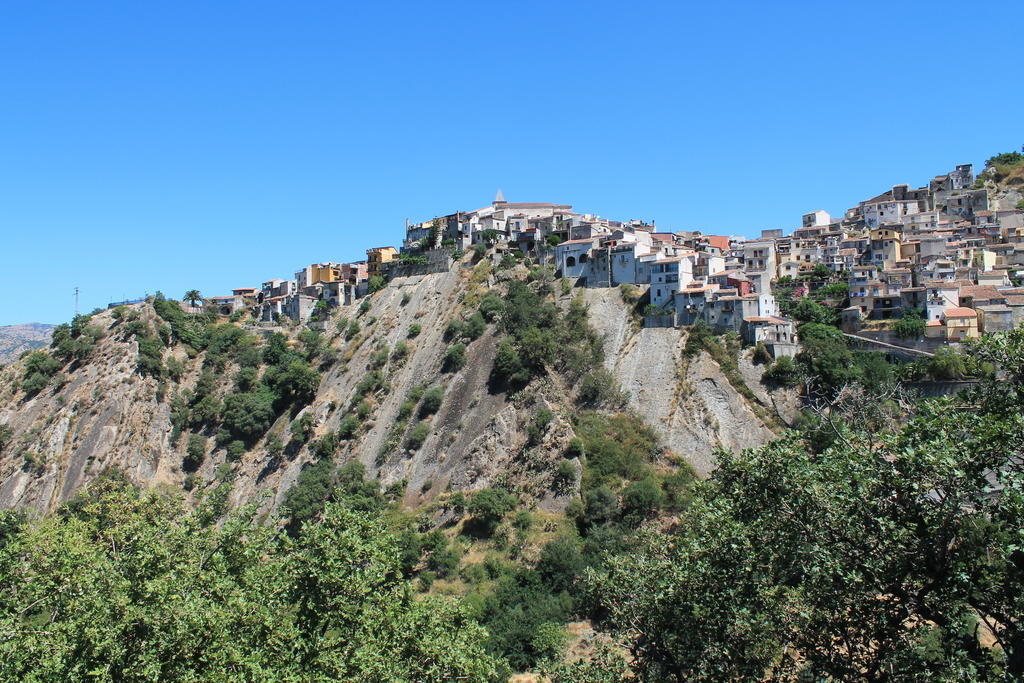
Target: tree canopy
{"points": [[128, 585]]}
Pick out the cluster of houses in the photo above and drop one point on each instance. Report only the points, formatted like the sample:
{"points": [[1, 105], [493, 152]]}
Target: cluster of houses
{"points": [[940, 250]]}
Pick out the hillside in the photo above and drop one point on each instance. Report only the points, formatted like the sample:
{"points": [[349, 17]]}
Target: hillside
{"points": [[1003, 177], [17, 339], [105, 413]]}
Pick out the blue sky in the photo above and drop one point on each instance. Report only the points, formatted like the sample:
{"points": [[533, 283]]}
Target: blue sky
{"points": [[148, 146]]}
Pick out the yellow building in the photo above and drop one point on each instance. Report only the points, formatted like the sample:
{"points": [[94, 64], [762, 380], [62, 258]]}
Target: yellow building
{"points": [[961, 323], [324, 272], [886, 247], [377, 257]]}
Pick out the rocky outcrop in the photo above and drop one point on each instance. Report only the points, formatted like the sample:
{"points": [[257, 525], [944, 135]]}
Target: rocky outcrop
{"points": [[106, 415], [688, 400]]}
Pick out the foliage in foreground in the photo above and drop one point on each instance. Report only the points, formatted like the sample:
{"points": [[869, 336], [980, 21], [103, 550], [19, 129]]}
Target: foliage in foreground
{"points": [[899, 551], [130, 586]]}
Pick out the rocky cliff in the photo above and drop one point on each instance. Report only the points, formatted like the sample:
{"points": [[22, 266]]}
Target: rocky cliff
{"points": [[104, 413]]}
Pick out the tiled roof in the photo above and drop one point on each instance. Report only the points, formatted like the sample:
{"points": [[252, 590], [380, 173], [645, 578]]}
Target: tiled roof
{"points": [[960, 312]]}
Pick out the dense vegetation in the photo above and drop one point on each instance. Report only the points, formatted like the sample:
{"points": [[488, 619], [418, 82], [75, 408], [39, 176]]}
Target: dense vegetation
{"points": [[892, 551], [131, 586]]}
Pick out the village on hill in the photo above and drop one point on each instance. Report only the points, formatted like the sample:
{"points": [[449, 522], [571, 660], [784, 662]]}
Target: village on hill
{"points": [[945, 255]]}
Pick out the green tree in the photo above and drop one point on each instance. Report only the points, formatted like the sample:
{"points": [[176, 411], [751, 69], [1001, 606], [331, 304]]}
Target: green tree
{"points": [[910, 325], [490, 506], [888, 551], [193, 297], [248, 603]]}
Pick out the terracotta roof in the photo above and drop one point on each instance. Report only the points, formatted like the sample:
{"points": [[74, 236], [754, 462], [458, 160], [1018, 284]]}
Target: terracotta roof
{"points": [[718, 241], [960, 312]]}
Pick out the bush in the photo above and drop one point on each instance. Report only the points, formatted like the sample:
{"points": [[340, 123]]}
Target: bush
{"points": [[248, 415], [490, 506], [508, 367], [40, 367], [195, 452], [418, 435], [326, 446], [454, 329], [400, 351], [910, 325], [479, 250], [364, 307], [640, 500], [475, 326], [761, 354], [236, 449], [432, 400], [302, 428], [491, 306], [414, 331], [782, 373], [599, 388], [352, 330], [377, 283], [454, 358], [349, 427]]}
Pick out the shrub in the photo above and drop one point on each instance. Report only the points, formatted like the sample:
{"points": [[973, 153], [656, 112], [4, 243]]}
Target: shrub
{"points": [[418, 435], [761, 354], [364, 307], [349, 427], [380, 358], [599, 388], [490, 506], [454, 358], [479, 250], [194, 452], [491, 306], [377, 283], [508, 366], [405, 410], [910, 325], [538, 425], [566, 473], [454, 329], [400, 351], [640, 500], [248, 415], [40, 367], [302, 428], [406, 298], [326, 445], [432, 400], [175, 369], [414, 331], [782, 373], [475, 326], [352, 330], [236, 449]]}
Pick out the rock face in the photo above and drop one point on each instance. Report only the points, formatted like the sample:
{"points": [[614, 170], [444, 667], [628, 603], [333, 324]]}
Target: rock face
{"points": [[16, 339], [687, 400], [105, 414]]}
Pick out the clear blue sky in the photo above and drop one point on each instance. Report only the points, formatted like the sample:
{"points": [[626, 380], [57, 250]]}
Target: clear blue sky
{"points": [[184, 144]]}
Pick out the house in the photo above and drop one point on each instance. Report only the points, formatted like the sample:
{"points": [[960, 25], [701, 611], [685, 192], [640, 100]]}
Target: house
{"points": [[961, 323], [998, 318], [777, 334], [668, 276], [940, 297], [377, 257], [571, 257]]}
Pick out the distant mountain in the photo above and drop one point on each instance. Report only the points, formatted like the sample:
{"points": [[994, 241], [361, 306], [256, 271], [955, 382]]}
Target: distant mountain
{"points": [[16, 339]]}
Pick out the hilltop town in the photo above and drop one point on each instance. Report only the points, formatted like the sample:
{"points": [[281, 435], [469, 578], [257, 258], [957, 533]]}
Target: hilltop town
{"points": [[950, 253]]}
